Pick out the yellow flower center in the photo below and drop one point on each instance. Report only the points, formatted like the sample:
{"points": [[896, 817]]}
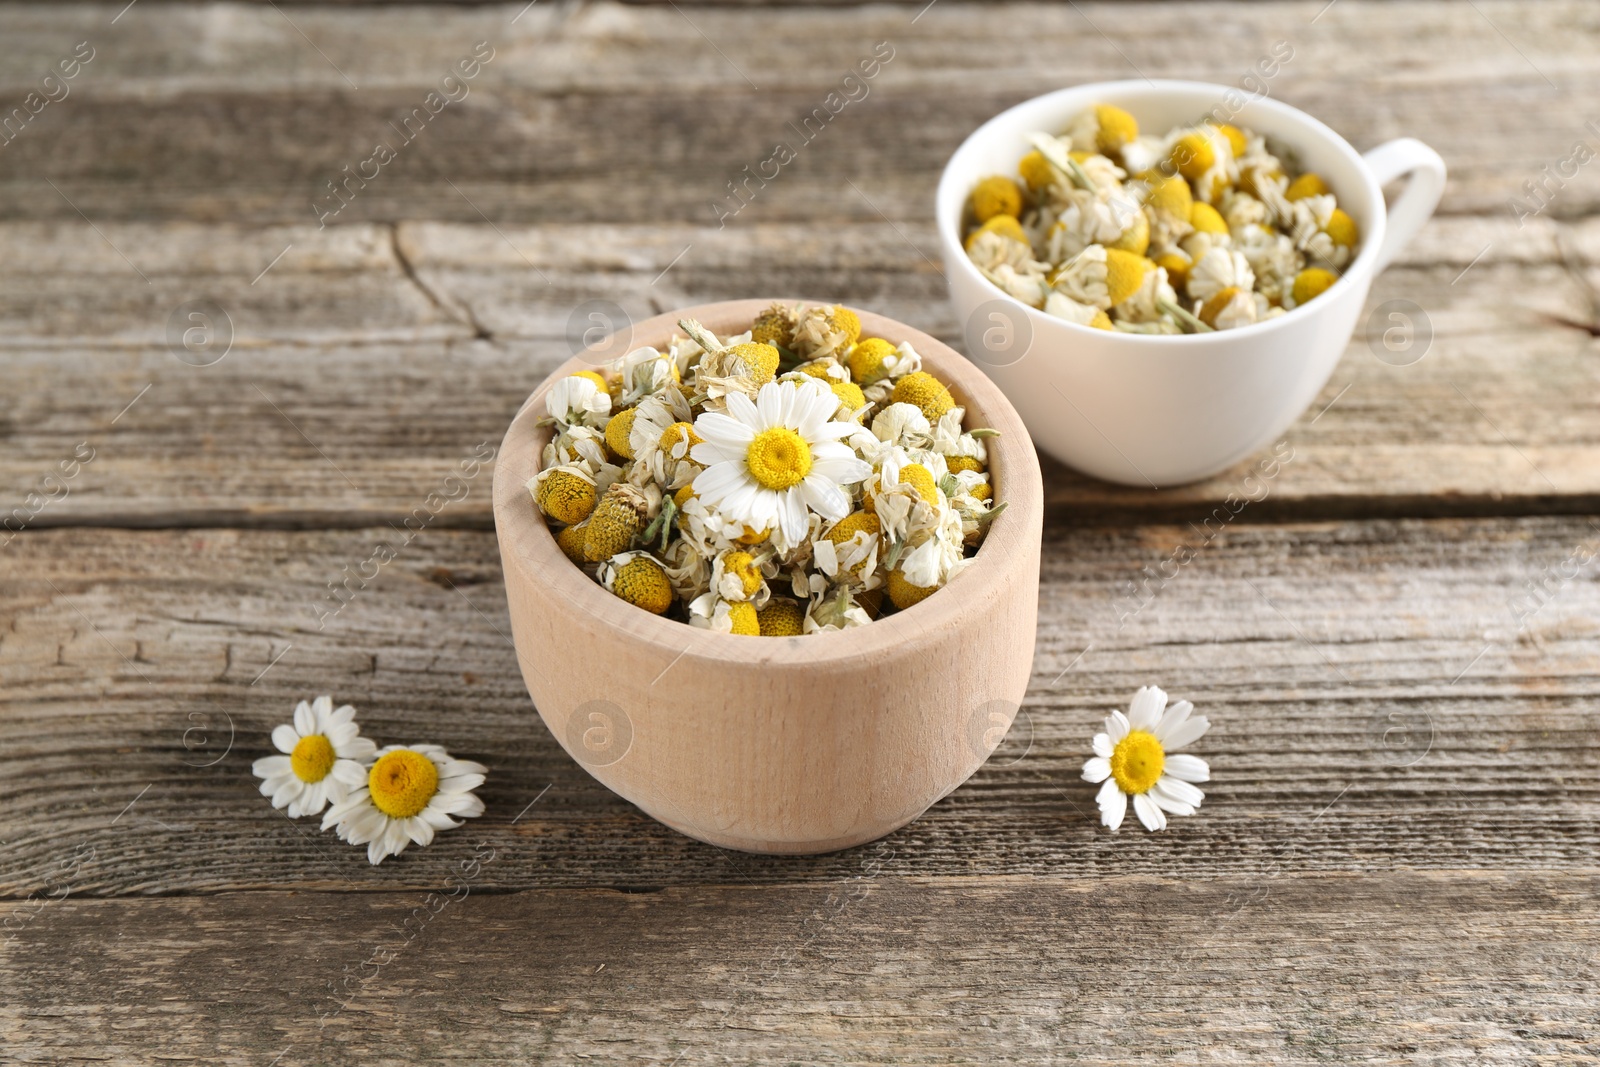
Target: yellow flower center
{"points": [[402, 783], [1137, 761], [312, 758], [778, 458]]}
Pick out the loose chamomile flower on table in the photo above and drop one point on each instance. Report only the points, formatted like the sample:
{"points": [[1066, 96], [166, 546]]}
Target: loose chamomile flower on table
{"points": [[1136, 757], [410, 793], [325, 757]]}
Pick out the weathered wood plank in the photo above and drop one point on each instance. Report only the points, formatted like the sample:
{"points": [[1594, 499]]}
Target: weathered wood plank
{"points": [[229, 113], [366, 361], [1384, 694], [1439, 967]]}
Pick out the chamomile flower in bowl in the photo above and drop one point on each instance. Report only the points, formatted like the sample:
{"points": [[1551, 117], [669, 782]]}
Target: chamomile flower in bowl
{"points": [[831, 522]]}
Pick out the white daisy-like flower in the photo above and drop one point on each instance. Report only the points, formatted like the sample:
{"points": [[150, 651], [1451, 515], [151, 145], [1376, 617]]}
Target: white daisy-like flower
{"points": [[1134, 757], [770, 462], [410, 792], [325, 757]]}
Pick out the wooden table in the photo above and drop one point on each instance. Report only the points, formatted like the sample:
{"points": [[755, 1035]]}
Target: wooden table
{"points": [[1396, 860]]}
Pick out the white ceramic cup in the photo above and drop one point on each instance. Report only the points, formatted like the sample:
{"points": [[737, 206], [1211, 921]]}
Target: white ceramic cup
{"points": [[1157, 411]]}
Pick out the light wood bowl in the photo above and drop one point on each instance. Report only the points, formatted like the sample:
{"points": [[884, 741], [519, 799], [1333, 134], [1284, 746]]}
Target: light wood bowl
{"points": [[785, 745]]}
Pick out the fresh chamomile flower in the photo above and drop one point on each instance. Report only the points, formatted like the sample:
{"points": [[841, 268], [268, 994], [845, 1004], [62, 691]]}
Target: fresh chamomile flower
{"points": [[324, 757], [409, 793], [1135, 758], [770, 462]]}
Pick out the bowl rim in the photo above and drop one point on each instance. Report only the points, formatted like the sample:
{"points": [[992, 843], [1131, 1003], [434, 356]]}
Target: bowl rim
{"points": [[528, 545], [1144, 89]]}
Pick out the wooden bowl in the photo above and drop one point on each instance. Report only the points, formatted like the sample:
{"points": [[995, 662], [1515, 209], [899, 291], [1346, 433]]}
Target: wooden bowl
{"points": [[794, 744]]}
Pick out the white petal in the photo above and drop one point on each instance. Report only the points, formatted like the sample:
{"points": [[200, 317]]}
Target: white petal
{"points": [[718, 480], [349, 772], [453, 767], [304, 721], [825, 498], [1178, 790], [1097, 769], [463, 804], [342, 714], [1152, 816], [285, 738], [770, 403], [1188, 768], [360, 749], [792, 515], [742, 410], [1190, 731], [438, 819], [726, 431], [271, 766], [460, 783], [1145, 711], [290, 790], [1173, 718], [1113, 804], [1169, 805], [419, 830], [1116, 726]]}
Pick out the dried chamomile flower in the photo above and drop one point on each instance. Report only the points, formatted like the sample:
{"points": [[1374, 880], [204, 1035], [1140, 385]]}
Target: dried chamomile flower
{"points": [[638, 578], [996, 196], [578, 400], [1309, 284], [566, 494], [924, 392], [619, 517], [1064, 307], [781, 617]]}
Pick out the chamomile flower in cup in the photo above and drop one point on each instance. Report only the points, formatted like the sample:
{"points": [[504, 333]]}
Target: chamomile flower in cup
{"points": [[323, 757]]}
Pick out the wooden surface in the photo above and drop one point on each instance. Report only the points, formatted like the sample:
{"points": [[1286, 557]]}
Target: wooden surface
{"points": [[1395, 861]]}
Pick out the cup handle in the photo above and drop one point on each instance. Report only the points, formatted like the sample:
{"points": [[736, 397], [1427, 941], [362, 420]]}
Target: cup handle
{"points": [[1408, 156]]}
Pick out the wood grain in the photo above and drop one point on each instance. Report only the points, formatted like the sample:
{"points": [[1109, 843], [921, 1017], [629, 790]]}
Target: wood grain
{"points": [[360, 374], [1377, 699], [1433, 967], [591, 112]]}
